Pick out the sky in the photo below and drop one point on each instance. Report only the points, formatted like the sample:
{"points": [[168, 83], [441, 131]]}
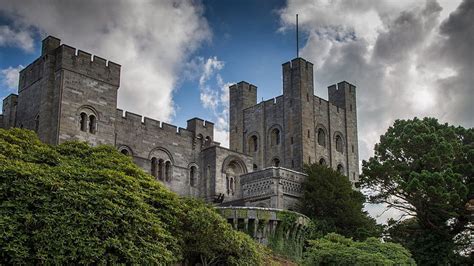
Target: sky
{"points": [[407, 57]]}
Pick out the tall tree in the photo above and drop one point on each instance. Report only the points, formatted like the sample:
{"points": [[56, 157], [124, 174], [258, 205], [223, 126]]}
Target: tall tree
{"points": [[425, 169], [334, 206]]}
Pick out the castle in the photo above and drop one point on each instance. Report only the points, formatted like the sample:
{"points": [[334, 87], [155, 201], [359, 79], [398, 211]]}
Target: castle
{"points": [[68, 94]]}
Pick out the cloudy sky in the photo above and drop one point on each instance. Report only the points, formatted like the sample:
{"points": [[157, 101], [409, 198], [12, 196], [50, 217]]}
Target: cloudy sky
{"points": [[407, 57]]}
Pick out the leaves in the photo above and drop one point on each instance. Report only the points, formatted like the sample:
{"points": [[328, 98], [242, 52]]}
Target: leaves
{"points": [[76, 204]]}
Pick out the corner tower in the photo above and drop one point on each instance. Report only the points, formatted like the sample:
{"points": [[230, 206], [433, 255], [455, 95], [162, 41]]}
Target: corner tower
{"points": [[242, 96]]}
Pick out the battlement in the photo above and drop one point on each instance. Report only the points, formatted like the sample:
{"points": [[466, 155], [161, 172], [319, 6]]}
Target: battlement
{"points": [[338, 93], [88, 65], [151, 124], [297, 63]]}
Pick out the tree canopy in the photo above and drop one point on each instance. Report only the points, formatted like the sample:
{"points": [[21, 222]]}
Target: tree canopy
{"points": [[334, 206], [425, 169], [76, 204], [334, 249]]}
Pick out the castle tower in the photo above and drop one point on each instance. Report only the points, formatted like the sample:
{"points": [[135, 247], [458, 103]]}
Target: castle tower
{"points": [[343, 96], [68, 94], [298, 113], [242, 96]]}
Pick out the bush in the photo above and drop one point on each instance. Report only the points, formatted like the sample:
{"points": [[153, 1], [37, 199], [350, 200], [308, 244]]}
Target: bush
{"points": [[73, 203], [334, 249]]}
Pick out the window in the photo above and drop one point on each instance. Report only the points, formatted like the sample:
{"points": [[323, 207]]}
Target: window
{"points": [[154, 167], [321, 137], [292, 164], [352, 146], [339, 144], [322, 161], [275, 136], [92, 124], [124, 151], [168, 171], [192, 176], [276, 162], [309, 134], [340, 169], [83, 122], [291, 140], [253, 143], [255, 167]]}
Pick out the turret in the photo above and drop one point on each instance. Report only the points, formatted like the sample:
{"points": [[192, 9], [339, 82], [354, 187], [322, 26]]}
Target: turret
{"points": [[242, 96]]}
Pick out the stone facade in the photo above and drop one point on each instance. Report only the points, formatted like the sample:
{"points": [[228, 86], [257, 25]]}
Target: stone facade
{"points": [[297, 127], [68, 94]]}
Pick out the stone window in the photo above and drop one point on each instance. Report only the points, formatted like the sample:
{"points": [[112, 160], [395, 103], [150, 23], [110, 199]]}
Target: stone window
{"points": [[339, 143], [322, 161], [192, 176], [168, 171], [154, 167], [160, 169], [92, 124], [275, 136], [291, 140], [321, 137], [255, 167], [253, 143], [207, 141], [276, 162], [124, 152], [83, 122], [340, 169], [352, 146], [309, 134]]}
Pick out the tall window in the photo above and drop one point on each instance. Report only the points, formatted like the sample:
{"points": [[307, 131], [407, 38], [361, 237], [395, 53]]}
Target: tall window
{"points": [[168, 171], [339, 145], [160, 169], [322, 161], [92, 124], [276, 162], [83, 122], [192, 176], [340, 169], [255, 167], [253, 143], [154, 167], [321, 137], [275, 136]]}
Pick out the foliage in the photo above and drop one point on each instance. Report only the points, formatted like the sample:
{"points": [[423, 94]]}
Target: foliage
{"points": [[425, 169], [334, 249], [287, 245], [76, 204], [329, 200]]}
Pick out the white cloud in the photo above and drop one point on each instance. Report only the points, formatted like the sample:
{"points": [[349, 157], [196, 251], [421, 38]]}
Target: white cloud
{"points": [[10, 76], [16, 38], [214, 93], [152, 40], [403, 56]]}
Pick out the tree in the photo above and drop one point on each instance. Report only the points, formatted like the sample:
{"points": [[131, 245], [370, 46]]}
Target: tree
{"points": [[76, 204], [425, 169], [329, 200], [334, 249]]}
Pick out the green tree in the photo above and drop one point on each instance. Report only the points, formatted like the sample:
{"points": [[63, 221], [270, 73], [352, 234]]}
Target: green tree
{"points": [[425, 169], [334, 249], [76, 204], [334, 206]]}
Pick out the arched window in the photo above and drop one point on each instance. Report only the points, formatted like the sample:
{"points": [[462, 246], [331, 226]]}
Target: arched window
{"points": [[124, 151], [154, 167], [92, 124], [321, 137], [192, 176], [275, 136], [276, 162], [339, 144], [255, 167], [253, 143], [322, 161], [84, 122], [207, 141], [168, 171], [160, 169], [340, 169]]}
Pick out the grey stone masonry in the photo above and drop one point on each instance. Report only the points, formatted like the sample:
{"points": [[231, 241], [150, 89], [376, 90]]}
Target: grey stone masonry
{"points": [[296, 128], [68, 94]]}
